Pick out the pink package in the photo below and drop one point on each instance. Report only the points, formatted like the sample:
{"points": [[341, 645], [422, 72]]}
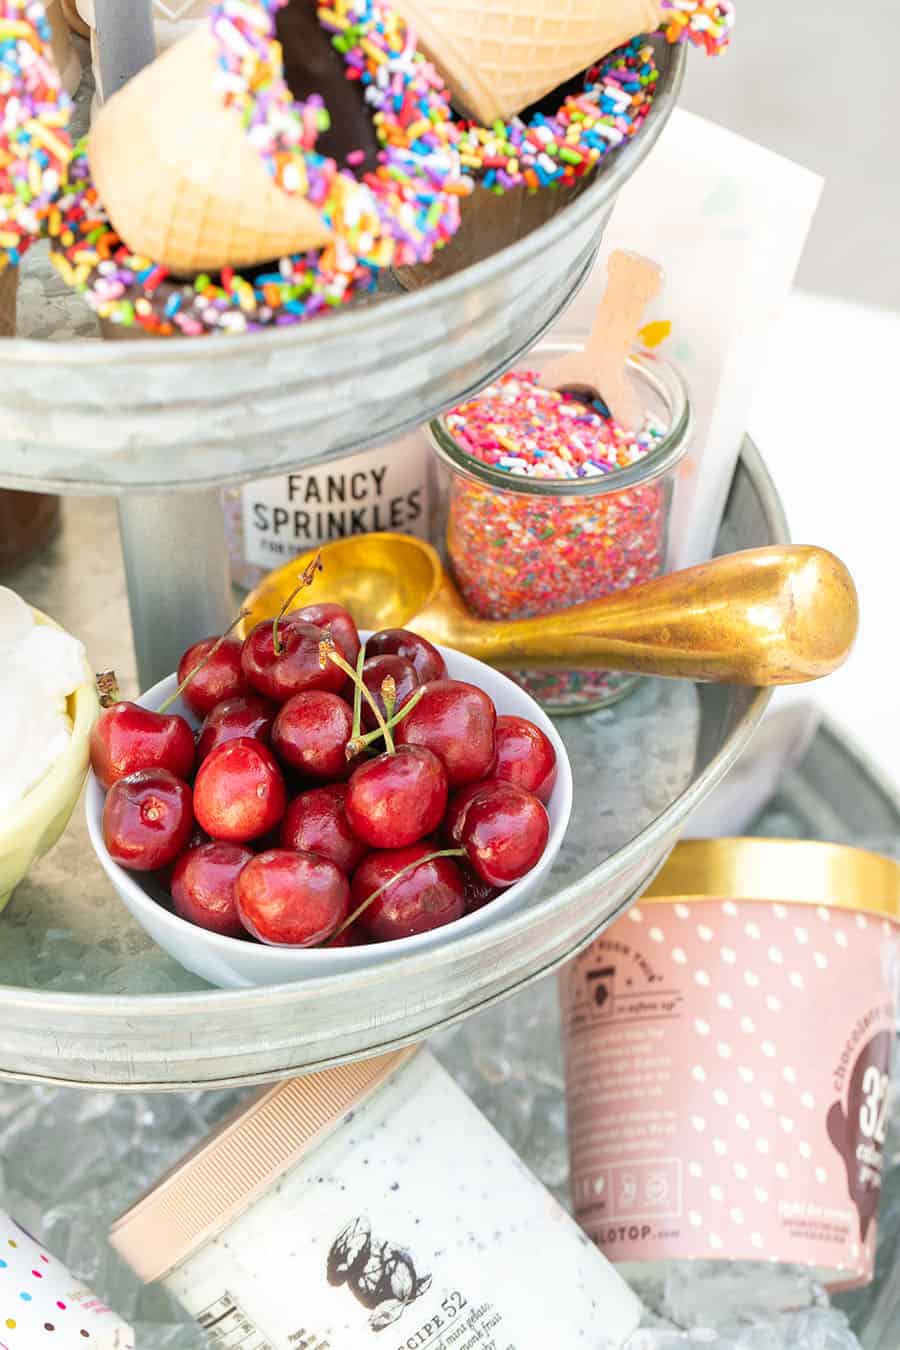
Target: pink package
{"points": [[728, 1047], [43, 1307]]}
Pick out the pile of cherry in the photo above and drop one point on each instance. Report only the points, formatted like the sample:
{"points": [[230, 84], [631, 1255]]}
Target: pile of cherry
{"points": [[334, 794]]}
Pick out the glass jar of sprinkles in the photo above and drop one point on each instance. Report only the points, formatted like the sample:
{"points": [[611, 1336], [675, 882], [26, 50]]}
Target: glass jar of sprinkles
{"points": [[522, 545]]}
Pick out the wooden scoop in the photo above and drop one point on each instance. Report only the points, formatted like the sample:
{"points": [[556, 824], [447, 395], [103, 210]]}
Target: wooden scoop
{"points": [[599, 369], [767, 616]]}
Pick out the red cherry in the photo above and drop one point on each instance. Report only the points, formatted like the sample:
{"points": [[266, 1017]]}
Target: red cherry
{"points": [[127, 737], [376, 669], [478, 893], [525, 756], [427, 897], [311, 733], [316, 822], [239, 794], [425, 658], [220, 678], [504, 833], [203, 887], [456, 721], [458, 805], [396, 799], [195, 839], [292, 899], [336, 620], [246, 715], [147, 819], [296, 668]]}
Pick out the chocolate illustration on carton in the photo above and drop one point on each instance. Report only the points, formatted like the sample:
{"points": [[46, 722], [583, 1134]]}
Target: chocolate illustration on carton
{"points": [[858, 1134], [380, 1275]]}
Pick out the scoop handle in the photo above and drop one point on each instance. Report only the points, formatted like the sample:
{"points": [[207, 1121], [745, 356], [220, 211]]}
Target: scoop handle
{"points": [[632, 282], [766, 616]]}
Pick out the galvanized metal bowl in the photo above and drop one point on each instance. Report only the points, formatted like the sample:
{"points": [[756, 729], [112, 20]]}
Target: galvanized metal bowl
{"points": [[106, 1008], [177, 412]]}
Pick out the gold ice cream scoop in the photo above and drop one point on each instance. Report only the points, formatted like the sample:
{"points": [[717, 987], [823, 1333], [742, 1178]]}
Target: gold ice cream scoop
{"points": [[779, 615]]}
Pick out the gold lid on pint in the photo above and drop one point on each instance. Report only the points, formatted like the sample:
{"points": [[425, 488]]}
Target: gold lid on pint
{"points": [[787, 870], [238, 1162]]}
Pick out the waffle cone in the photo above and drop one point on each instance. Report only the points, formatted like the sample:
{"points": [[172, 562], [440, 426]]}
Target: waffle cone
{"points": [[179, 178], [9, 287], [498, 58]]}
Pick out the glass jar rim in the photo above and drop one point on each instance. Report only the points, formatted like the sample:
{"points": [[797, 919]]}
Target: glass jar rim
{"points": [[666, 382]]}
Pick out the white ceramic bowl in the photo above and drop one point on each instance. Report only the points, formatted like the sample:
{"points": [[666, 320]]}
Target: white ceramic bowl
{"points": [[232, 963]]}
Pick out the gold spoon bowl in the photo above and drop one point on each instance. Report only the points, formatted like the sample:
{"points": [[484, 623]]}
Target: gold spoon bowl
{"points": [[785, 614]]}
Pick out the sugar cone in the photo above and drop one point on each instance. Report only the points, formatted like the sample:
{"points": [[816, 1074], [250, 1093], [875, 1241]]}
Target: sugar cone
{"points": [[497, 58], [9, 287], [179, 177]]}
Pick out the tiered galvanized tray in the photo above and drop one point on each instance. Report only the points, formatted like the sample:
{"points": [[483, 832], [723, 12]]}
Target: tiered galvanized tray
{"points": [[84, 996]]}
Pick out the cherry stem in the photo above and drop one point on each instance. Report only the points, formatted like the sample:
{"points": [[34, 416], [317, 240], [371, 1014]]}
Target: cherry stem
{"points": [[410, 867], [107, 688], [363, 742], [200, 664], [327, 652], [306, 578], [357, 695]]}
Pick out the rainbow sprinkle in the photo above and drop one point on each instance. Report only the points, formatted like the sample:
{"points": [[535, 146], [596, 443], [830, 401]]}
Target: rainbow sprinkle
{"points": [[556, 151], [519, 427], [706, 23], [34, 114]]}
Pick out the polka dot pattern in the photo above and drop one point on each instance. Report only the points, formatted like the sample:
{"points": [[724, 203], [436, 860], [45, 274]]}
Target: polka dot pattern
{"points": [[40, 1300], [756, 1076]]}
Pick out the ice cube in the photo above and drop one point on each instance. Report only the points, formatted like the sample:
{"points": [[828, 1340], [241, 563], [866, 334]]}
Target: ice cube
{"points": [[719, 1293], [811, 1329]]}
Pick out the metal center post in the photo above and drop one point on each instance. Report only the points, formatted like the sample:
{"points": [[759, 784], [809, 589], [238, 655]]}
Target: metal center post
{"points": [[176, 561]]}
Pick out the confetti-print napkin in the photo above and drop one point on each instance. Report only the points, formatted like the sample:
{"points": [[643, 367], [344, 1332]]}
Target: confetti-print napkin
{"points": [[43, 1307]]}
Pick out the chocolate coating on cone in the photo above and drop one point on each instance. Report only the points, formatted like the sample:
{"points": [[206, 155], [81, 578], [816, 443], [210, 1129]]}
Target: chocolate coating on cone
{"points": [[312, 66]]}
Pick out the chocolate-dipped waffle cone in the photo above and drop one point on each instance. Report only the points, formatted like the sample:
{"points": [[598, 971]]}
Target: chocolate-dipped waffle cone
{"points": [[498, 58], [180, 178]]}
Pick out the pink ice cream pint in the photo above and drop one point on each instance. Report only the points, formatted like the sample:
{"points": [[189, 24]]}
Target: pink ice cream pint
{"points": [[728, 1050]]}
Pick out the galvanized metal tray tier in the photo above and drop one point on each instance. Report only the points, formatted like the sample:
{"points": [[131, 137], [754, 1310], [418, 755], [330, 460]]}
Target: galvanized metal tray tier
{"points": [[86, 998], [170, 413]]}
